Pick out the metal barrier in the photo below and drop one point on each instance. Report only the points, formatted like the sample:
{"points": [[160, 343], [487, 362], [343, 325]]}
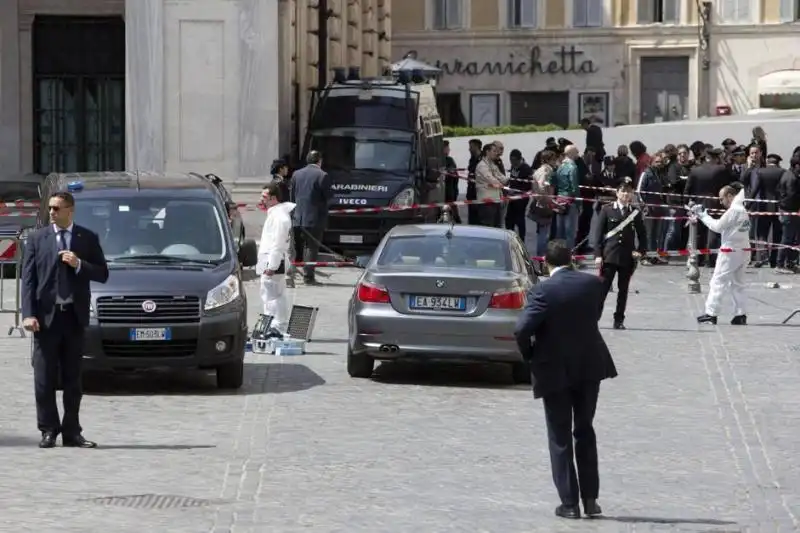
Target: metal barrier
{"points": [[15, 260]]}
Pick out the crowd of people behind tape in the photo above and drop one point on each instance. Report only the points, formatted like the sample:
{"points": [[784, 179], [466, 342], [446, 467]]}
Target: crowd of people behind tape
{"points": [[564, 189]]}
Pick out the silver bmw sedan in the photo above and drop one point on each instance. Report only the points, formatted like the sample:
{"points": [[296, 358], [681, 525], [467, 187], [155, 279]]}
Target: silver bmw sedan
{"points": [[440, 292]]}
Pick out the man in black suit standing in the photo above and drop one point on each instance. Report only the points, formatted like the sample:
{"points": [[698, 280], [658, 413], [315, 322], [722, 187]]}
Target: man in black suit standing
{"points": [[61, 259], [705, 180], [311, 191], [558, 336], [619, 226]]}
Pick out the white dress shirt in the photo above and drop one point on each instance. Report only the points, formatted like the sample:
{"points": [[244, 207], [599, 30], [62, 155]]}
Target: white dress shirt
{"points": [[67, 246]]}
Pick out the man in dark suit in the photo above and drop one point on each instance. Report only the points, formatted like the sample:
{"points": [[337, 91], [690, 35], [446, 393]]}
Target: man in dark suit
{"points": [[768, 227], [311, 191], [619, 226], [558, 336], [61, 259], [706, 180]]}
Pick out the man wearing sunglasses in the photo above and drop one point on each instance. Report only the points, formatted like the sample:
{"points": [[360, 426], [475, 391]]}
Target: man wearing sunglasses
{"points": [[61, 259]]}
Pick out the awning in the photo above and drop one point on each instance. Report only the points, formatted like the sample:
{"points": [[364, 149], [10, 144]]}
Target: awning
{"points": [[780, 82]]}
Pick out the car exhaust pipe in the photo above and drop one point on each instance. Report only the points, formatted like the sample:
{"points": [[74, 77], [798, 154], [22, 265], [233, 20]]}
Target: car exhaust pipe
{"points": [[386, 348]]}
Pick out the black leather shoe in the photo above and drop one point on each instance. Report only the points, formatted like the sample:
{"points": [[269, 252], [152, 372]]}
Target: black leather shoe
{"points": [[48, 440], [619, 325], [568, 511], [591, 509], [707, 319], [739, 320], [77, 442]]}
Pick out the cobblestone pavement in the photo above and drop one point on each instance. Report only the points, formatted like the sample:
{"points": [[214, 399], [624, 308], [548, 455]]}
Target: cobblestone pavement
{"points": [[699, 433]]}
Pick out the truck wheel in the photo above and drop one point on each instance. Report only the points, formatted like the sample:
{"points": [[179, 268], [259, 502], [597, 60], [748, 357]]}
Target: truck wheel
{"points": [[521, 373], [230, 376], [359, 365]]}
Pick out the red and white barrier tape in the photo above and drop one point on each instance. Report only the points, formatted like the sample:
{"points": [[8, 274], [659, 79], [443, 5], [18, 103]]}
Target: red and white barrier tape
{"points": [[19, 204], [607, 189], [20, 214]]}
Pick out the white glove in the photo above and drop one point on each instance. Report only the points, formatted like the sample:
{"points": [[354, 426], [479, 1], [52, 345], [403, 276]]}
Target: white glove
{"points": [[697, 210]]}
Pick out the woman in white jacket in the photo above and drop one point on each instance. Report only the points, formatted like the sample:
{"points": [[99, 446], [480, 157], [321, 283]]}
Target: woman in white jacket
{"points": [[734, 229], [272, 255]]}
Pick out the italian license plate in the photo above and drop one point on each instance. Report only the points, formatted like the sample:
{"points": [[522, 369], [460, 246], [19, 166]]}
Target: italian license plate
{"points": [[351, 239], [150, 334], [439, 303]]}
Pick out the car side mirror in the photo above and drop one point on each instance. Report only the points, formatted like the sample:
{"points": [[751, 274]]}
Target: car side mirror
{"points": [[362, 261], [248, 253]]}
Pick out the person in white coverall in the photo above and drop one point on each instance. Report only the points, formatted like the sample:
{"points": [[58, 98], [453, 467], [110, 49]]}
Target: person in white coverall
{"points": [[272, 256], [734, 229]]}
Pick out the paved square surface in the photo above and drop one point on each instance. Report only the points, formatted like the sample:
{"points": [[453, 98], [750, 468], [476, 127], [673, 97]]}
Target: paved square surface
{"points": [[700, 432]]}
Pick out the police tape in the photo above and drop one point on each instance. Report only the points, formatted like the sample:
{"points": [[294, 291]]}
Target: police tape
{"points": [[19, 204], [671, 253], [459, 171], [20, 214], [658, 253], [517, 195]]}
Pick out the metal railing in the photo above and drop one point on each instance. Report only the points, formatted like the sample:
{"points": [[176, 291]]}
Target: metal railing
{"points": [[12, 234]]}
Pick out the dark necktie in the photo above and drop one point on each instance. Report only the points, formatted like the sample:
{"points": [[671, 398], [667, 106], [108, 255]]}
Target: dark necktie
{"points": [[63, 281]]}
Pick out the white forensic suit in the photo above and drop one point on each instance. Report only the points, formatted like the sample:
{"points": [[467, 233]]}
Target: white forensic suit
{"points": [[272, 250], [734, 229]]}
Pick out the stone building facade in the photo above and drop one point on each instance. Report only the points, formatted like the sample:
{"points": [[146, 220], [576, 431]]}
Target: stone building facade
{"points": [[182, 85]]}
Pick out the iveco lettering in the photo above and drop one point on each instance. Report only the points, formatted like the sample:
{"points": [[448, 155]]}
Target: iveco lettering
{"points": [[380, 139]]}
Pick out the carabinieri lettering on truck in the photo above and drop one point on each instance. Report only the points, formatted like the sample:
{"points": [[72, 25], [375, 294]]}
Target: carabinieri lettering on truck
{"points": [[354, 187], [352, 201]]}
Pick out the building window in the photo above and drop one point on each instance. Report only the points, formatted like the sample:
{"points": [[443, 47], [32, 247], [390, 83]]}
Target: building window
{"points": [[736, 11], [790, 10], [448, 14], [522, 13], [587, 13], [659, 11]]}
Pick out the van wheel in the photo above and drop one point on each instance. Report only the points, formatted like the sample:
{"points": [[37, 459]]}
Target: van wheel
{"points": [[521, 373], [359, 365], [230, 376]]}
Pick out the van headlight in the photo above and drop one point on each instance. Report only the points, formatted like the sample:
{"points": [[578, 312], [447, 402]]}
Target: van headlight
{"points": [[404, 199], [226, 292]]}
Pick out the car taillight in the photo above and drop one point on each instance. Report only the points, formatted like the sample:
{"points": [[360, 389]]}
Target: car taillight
{"points": [[372, 294], [514, 299]]}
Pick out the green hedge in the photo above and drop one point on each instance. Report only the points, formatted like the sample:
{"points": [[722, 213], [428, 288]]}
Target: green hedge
{"points": [[462, 131]]}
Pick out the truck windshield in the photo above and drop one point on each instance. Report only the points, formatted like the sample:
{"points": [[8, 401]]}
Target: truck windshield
{"points": [[18, 191], [350, 153], [179, 229]]}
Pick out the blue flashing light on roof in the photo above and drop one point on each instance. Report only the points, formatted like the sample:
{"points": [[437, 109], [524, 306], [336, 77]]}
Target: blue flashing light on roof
{"points": [[75, 186]]}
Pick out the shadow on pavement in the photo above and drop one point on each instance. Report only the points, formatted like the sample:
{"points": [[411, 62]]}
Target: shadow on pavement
{"points": [[443, 374], [259, 378], [666, 521], [249, 274], [19, 441], [165, 447], [664, 330]]}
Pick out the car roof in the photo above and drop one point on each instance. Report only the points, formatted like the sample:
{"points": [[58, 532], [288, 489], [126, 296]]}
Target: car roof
{"points": [[23, 178], [139, 181], [458, 230]]}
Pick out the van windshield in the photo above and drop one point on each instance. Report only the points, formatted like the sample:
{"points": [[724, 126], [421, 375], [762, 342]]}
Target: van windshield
{"points": [[190, 230], [347, 152]]}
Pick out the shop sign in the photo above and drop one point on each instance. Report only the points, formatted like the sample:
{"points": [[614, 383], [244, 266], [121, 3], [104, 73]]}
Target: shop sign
{"points": [[566, 60]]}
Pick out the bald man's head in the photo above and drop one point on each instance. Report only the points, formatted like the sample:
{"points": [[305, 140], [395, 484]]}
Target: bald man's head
{"points": [[571, 151]]}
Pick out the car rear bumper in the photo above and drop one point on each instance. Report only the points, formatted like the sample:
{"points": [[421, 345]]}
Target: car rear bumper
{"points": [[483, 338], [107, 346]]}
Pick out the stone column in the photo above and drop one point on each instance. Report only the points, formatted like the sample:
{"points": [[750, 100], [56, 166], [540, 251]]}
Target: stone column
{"points": [[259, 95], [10, 127], [144, 85]]}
